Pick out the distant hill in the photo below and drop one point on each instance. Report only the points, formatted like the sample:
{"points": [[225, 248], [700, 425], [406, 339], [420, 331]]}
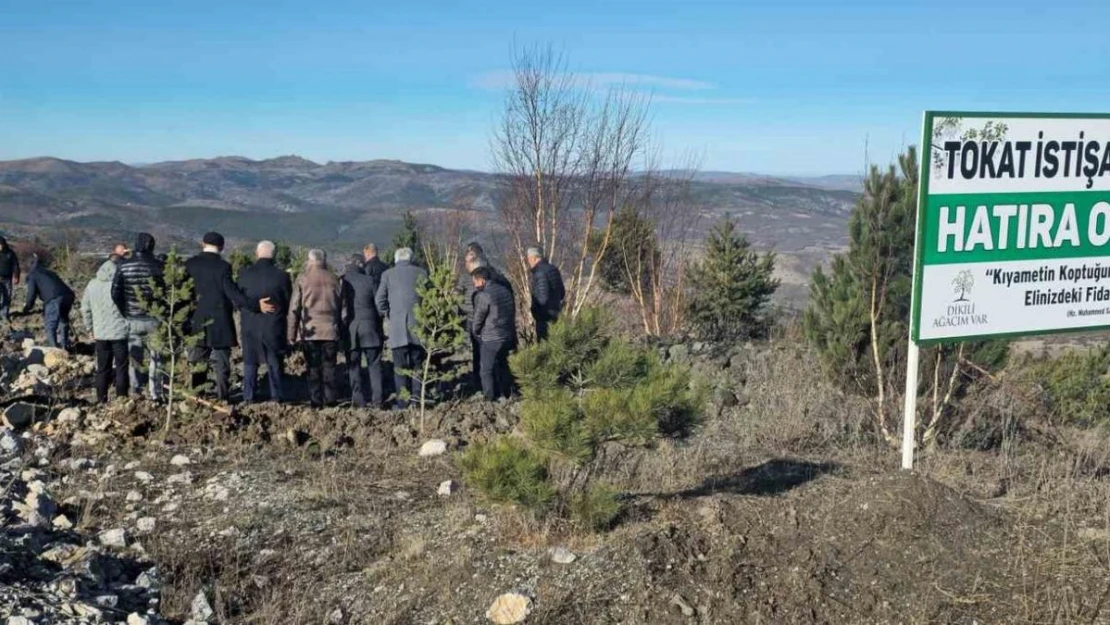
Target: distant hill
{"points": [[344, 203]]}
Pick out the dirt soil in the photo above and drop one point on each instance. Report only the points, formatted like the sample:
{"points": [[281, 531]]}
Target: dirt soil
{"points": [[768, 515]]}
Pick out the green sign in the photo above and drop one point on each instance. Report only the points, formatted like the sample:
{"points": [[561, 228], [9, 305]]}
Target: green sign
{"points": [[1013, 225]]}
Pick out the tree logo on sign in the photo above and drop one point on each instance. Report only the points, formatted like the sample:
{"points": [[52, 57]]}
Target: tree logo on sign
{"points": [[962, 283]]}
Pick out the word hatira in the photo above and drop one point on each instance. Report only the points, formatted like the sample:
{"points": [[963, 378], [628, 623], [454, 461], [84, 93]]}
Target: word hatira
{"points": [[1025, 226]]}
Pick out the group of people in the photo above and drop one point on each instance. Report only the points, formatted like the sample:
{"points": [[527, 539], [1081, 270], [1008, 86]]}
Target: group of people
{"points": [[368, 307]]}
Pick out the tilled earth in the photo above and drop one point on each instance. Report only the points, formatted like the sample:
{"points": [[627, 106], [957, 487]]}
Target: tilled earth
{"points": [[278, 514]]}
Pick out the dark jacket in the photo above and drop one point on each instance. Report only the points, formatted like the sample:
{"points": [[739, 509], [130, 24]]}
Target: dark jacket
{"points": [[258, 281], [45, 285], [362, 325], [374, 268], [217, 297], [494, 313], [9, 262], [548, 291], [469, 292], [132, 284]]}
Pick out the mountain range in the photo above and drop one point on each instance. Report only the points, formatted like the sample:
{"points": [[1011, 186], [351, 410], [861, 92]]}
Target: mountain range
{"points": [[345, 203]]}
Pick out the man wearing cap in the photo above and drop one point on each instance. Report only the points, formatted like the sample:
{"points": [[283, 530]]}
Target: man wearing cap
{"points": [[133, 291], [217, 297]]}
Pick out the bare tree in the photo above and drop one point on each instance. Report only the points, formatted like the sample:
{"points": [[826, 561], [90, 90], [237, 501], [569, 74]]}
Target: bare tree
{"points": [[565, 156]]}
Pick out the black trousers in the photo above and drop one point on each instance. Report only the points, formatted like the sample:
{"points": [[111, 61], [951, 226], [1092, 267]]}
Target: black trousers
{"points": [[219, 359], [357, 374], [56, 314], [408, 357], [112, 363], [321, 357], [543, 325], [256, 353], [496, 379], [476, 358]]}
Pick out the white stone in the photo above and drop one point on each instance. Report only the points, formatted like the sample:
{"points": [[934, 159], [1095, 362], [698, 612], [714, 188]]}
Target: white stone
{"points": [[144, 477], [180, 461], [447, 488], [434, 447], [69, 415], [131, 466], [181, 478], [201, 610], [10, 444], [134, 496], [19, 620], [146, 524], [113, 538], [63, 523], [562, 555], [137, 619], [510, 608]]}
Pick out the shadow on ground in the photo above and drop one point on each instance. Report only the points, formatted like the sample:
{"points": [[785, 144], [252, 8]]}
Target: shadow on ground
{"points": [[773, 477]]}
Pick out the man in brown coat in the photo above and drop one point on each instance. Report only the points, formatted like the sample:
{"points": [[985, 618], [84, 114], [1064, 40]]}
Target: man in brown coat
{"points": [[314, 321]]}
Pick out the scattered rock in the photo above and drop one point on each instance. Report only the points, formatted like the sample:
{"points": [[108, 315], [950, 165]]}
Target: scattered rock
{"points": [[201, 610], [19, 416], [10, 444], [37, 509], [447, 488], [434, 447], [144, 477], [113, 538], [562, 555], [69, 416], [19, 620], [137, 619], [181, 478], [337, 617], [131, 466], [62, 522], [134, 496], [687, 610], [180, 461], [146, 524], [510, 608], [52, 357]]}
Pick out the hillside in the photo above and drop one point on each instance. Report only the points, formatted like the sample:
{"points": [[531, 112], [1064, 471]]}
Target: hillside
{"points": [[339, 202]]}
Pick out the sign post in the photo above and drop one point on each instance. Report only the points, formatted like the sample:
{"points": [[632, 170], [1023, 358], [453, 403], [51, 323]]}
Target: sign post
{"points": [[1013, 232]]}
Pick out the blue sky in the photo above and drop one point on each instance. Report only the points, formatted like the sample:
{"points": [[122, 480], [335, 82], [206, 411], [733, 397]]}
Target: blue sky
{"points": [[785, 86]]}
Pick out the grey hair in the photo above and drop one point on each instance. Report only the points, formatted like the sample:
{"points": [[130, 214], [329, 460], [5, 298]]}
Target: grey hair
{"points": [[265, 249], [534, 252], [403, 254], [317, 256]]}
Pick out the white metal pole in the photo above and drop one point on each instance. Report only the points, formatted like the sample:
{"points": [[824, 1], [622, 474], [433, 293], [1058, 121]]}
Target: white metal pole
{"points": [[909, 417], [909, 421]]}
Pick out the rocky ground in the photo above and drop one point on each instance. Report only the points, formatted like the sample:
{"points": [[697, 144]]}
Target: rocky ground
{"points": [[782, 509]]}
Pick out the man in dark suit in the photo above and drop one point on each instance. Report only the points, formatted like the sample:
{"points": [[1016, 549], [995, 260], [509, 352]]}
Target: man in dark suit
{"points": [[362, 332], [217, 297], [371, 264], [264, 339]]}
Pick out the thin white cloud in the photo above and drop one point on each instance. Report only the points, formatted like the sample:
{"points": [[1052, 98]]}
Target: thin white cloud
{"points": [[502, 79], [689, 100]]}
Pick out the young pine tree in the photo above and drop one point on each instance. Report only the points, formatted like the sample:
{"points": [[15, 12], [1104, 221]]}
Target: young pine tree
{"points": [[171, 305], [859, 311], [731, 286], [411, 237], [440, 327], [632, 255]]}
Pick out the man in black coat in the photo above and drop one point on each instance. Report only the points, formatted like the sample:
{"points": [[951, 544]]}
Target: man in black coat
{"points": [[495, 326], [57, 299], [474, 260], [132, 290], [362, 332], [9, 277], [264, 339], [371, 264], [217, 297], [548, 292]]}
